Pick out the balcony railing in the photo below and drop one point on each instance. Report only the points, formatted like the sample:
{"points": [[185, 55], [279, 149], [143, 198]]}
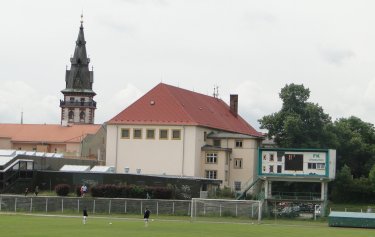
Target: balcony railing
{"points": [[77, 104]]}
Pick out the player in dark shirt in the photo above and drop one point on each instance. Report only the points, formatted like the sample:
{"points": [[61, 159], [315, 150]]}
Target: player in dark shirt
{"points": [[146, 216], [84, 215]]}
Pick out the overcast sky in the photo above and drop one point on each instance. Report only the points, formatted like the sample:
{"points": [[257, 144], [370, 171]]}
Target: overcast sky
{"points": [[252, 48]]}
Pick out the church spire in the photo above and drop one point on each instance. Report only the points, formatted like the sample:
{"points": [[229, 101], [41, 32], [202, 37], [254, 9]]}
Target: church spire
{"points": [[78, 105]]}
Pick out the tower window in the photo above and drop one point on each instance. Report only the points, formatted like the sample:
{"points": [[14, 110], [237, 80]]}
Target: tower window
{"points": [[71, 115], [82, 116]]}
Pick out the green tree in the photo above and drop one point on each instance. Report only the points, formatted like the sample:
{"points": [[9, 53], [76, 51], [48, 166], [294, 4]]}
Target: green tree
{"points": [[299, 123], [356, 145]]}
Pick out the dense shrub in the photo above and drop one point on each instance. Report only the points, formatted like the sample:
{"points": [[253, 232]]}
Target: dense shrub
{"points": [[132, 191], [62, 189]]}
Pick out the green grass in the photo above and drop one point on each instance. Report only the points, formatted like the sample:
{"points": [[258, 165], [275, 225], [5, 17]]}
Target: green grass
{"points": [[41, 226]]}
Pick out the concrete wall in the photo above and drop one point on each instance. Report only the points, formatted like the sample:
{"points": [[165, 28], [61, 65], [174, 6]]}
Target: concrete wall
{"points": [[5, 143]]}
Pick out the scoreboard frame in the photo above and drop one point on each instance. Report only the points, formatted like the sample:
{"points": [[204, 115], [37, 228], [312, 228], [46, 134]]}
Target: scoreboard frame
{"points": [[297, 162]]}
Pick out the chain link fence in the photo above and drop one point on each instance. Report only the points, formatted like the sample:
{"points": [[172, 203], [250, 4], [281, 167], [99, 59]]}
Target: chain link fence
{"points": [[71, 205]]}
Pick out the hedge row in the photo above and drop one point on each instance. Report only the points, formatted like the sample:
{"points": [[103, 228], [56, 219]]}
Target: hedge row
{"points": [[119, 191], [130, 191]]}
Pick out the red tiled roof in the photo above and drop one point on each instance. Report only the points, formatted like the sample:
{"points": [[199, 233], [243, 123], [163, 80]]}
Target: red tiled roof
{"points": [[53, 133], [169, 105]]}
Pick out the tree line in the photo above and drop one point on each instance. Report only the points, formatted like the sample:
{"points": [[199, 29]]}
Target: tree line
{"points": [[303, 124]]}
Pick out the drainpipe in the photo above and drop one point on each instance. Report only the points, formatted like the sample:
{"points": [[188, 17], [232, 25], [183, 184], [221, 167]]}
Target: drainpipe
{"points": [[116, 147], [183, 151]]}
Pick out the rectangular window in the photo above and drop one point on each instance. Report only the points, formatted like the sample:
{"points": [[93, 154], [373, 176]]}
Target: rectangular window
{"points": [[279, 158], [150, 133], [320, 166], [237, 185], [176, 134], [238, 163], [271, 168], [137, 133], [163, 134], [124, 132], [211, 174], [279, 169], [226, 176], [204, 136], [217, 142], [271, 157], [211, 158], [238, 143], [311, 165]]}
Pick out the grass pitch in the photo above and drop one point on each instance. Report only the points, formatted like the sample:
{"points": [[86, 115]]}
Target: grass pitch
{"points": [[56, 226]]}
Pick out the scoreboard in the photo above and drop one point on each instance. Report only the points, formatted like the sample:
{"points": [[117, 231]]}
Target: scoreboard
{"points": [[297, 162]]}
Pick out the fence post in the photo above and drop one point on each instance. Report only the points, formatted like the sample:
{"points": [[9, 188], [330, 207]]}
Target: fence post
{"points": [[78, 204], [157, 208], [46, 205], [1, 200], [15, 205], [189, 209], [62, 205], [173, 208], [125, 207], [93, 208], [237, 210], [220, 209], [141, 207], [31, 204], [110, 203]]}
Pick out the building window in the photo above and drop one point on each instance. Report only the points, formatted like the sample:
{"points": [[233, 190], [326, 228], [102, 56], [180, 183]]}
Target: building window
{"points": [[82, 101], [82, 116], [211, 174], [163, 134], [176, 134], [211, 158], [217, 142], [125, 133], [71, 115], [271, 168], [279, 158], [204, 136], [237, 185], [279, 169], [150, 133], [238, 143], [320, 166], [137, 133], [238, 163], [71, 99], [226, 176], [271, 157]]}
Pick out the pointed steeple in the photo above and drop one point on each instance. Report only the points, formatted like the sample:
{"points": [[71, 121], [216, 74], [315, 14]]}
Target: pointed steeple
{"points": [[78, 105], [79, 77]]}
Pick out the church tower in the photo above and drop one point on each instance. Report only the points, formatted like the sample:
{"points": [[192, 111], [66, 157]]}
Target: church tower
{"points": [[78, 106]]}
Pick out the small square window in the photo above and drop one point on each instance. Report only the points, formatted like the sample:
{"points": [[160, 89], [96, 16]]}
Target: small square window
{"points": [[271, 168], [238, 163], [238, 143], [237, 185], [137, 133], [211, 174], [163, 134], [217, 143], [150, 133], [176, 134], [125, 133], [211, 158]]}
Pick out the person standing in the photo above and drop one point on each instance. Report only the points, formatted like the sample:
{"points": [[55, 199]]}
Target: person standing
{"points": [[146, 216], [36, 190], [84, 215], [26, 191]]}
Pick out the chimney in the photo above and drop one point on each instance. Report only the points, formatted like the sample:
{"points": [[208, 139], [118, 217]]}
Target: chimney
{"points": [[234, 104]]}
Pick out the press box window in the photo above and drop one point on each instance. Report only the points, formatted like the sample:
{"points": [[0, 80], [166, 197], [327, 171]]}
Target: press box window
{"points": [[237, 185], [163, 134], [137, 133]]}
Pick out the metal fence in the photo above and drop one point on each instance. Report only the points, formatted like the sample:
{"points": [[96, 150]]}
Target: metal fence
{"points": [[71, 205]]}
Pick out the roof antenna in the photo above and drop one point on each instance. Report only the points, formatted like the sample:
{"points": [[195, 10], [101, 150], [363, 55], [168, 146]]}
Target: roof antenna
{"points": [[82, 17], [216, 92]]}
